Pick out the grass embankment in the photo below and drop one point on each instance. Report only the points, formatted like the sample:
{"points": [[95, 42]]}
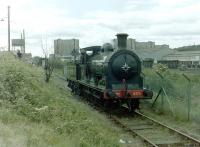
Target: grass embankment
{"points": [[35, 113]]}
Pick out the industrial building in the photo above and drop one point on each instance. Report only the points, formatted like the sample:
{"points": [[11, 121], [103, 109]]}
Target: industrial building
{"points": [[65, 48], [190, 54], [133, 44], [147, 49]]}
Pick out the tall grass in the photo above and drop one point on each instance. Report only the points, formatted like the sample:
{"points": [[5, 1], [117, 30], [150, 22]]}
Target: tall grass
{"points": [[44, 115]]}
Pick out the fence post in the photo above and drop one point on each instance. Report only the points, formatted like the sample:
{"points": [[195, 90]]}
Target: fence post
{"points": [[162, 100], [162, 96], [188, 95]]}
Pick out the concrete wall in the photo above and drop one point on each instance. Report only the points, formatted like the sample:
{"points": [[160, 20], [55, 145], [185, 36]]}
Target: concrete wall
{"points": [[163, 46], [65, 47], [133, 44], [145, 45]]}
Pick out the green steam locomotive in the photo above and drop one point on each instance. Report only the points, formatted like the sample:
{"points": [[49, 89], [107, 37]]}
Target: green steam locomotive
{"points": [[109, 75]]}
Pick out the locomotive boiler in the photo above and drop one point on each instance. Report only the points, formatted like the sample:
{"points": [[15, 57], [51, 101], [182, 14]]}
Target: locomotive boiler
{"points": [[110, 75]]}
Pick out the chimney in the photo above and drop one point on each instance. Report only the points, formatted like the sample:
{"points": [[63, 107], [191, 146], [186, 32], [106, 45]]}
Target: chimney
{"points": [[122, 41]]}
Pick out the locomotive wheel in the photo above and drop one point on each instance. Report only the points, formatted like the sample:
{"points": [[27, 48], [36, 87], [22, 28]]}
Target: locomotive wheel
{"points": [[107, 105], [133, 105], [73, 88], [77, 90]]}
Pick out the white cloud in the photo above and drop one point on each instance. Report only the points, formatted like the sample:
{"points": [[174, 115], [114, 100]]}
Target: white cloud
{"points": [[173, 21]]}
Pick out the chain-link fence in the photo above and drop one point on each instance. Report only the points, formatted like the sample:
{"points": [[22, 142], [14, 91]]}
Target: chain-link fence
{"points": [[175, 92]]}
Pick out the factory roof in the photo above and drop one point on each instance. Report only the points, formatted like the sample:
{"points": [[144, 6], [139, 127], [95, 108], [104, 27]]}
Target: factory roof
{"points": [[189, 48], [155, 54]]}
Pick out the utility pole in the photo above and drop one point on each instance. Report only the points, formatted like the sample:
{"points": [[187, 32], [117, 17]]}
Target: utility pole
{"points": [[24, 40], [8, 28], [21, 46]]}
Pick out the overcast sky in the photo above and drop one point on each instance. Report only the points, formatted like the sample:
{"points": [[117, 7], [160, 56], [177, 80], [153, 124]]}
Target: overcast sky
{"points": [[173, 22]]}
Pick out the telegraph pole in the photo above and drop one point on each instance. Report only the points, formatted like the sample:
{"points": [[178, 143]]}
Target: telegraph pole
{"points": [[8, 28], [24, 40]]}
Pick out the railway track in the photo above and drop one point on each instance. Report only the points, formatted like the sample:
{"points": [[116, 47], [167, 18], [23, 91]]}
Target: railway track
{"points": [[150, 131], [154, 133]]}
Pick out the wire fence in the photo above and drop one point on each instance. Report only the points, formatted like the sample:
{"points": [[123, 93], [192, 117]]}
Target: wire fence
{"points": [[175, 92]]}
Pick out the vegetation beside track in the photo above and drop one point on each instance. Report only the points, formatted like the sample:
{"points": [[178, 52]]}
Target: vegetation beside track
{"points": [[34, 113], [177, 88]]}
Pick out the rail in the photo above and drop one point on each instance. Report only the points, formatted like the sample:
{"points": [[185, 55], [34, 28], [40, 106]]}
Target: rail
{"points": [[172, 136]]}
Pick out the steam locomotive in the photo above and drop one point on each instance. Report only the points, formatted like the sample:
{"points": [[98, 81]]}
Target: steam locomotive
{"points": [[111, 76]]}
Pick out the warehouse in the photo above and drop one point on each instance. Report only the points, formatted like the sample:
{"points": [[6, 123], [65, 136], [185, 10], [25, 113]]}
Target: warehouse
{"points": [[65, 48], [146, 50], [189, 56]]}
